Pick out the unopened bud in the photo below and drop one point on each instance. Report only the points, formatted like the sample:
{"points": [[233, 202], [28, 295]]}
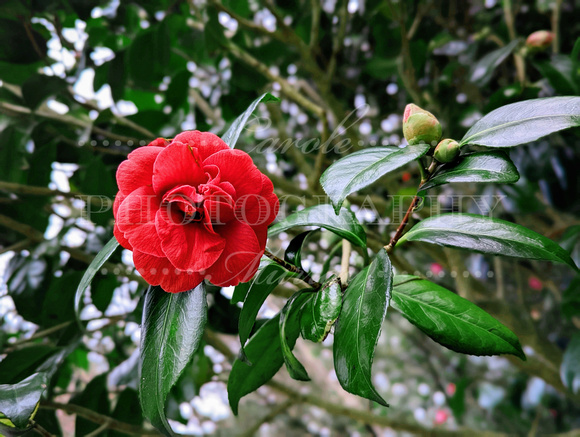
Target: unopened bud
{"points": [[446, 151], [540, 40], [420, 126]]}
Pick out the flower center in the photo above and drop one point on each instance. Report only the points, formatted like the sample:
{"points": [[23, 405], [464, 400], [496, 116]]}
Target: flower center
{"points": [[192, 212]]}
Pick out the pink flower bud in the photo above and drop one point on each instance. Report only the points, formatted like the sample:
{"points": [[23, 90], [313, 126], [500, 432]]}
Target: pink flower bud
{"points": [[446, 151], [420, 126], [540, 40]]}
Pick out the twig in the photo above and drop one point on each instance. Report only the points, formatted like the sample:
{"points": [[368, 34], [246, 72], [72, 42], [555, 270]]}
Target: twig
{"points": [[401, 228], [337, 42], [98, 418], [16, 247], [33, 190], [556, 26], [292, 268], [518, 59], [285, 86], [205, 107], [100, 429], [16, 110], [39, 429], [39, 334], [37, 237]]}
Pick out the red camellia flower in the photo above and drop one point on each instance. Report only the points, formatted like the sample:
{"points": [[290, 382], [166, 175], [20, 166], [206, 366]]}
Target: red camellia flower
{"points": [[193, 209]]}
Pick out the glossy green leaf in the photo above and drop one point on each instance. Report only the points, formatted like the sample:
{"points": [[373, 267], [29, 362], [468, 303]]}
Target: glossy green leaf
{"points": [[451, 320], [357, 331], [481, 167], [261, 287], [171, 332], [321, 312], [570, 368], [486, 235], [523, 122], [344, 224], [482, 71], [264, 350], [293, 253], [559, 72], [90, 273], [293, 308], [233, 133], [18, 401], [362, 168]]}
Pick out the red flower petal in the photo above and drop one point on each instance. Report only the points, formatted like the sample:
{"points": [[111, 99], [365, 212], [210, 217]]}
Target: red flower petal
{"points": [[237, 168], [136, 220], [159, 142], [137, 170], [240, 258], [159, 271], [188, 246], [206, 142], [178, 164]]}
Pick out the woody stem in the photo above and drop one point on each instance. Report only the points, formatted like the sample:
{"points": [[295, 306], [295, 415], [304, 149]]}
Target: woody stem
{"points": [[302, 274], [401, 228]]}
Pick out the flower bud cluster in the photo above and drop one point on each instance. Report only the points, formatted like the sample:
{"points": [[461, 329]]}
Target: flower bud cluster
{"points": [[422, 127]]}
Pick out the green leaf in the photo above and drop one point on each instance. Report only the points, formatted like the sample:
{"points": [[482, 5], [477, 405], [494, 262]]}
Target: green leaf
{"points": [[559, 72], [18, 401], [264, 350], [293, 308], [362, 168], [171, 332], [344, 224], [482, 71], [486, 235], [90, 273], [293, 253], [22, 363], [451, 320], [58, 304], [261, 287], [148, 55], [233, 133], [476, 167], [321, 312], [358, 328], [40, 87], [570, 368], [523, 122]]}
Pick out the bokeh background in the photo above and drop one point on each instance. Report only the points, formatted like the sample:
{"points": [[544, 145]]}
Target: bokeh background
{"points": [[84, 82]]}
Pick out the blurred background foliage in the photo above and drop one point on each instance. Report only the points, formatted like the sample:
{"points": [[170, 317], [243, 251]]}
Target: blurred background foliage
{"points": [[84, 82]]}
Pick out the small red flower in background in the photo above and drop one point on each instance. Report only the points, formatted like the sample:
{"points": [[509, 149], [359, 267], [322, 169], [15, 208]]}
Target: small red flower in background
{"points": [[193, 209]]}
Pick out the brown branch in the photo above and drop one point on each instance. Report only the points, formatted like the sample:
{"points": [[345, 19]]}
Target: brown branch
{"points": [[17, 110], [33, 190], [39, 429], [37, 237], [303, 275], [401, 228], [99, 419]]}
